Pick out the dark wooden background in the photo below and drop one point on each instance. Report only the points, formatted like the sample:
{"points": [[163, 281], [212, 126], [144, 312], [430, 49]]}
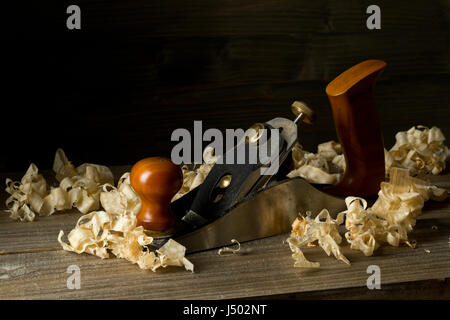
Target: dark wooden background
{"points": [[113, 92]]}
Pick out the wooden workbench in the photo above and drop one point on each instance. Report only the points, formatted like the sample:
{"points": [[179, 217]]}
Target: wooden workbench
{"points": [[34, 266]]}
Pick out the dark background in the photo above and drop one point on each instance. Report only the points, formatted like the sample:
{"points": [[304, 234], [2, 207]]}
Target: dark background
{"points": [[113, 92]]}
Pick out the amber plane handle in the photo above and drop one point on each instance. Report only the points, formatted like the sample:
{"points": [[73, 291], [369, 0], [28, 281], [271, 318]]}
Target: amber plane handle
{"points": [[156, 180], [358, 128]]}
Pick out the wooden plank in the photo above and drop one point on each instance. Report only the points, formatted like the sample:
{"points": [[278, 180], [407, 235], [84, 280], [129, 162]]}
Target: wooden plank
{"points": [[263, 268], [36, 236]]}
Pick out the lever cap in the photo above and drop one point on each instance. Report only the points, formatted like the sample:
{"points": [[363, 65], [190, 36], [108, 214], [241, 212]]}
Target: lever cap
{"points": [[156, 180]]}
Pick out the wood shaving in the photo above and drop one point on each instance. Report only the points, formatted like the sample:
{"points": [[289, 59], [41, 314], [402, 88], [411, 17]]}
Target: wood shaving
{"points": [[420, 150], [325, 167], [192, 178], [322, 229], [79, 188], [412, 244], [230, 250]]}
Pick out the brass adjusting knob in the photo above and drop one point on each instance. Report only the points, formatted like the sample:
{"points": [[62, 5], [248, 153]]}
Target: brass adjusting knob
{"points": [[303, 112]]}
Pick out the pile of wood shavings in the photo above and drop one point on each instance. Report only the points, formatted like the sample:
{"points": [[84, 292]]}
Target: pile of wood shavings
{"points": [[389, 220], [113, 230], [325, 167], [323, 229], [420, 150], [78, 188]]}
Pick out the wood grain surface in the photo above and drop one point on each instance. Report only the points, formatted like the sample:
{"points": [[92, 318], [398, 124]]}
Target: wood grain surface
{"points": [[33, 266]]}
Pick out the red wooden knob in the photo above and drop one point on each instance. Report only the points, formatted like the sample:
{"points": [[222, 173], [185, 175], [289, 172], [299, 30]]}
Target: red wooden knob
{"points": [[156, 180]]}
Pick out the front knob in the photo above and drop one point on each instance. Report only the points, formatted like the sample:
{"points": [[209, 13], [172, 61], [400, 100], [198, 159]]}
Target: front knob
{"points": [[156, 180]]}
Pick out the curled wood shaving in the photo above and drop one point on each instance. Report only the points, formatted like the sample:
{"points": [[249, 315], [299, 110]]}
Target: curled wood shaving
{"points": [[421, 150], [26, 195], [121, 199], [412, 244], [365, 229], [325, 167], [322, 229], [79, 188], [192, 178], [230, 250]]}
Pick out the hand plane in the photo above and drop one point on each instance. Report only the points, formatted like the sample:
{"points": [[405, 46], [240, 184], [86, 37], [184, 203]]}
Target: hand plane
{"points": [[237, 201]]}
